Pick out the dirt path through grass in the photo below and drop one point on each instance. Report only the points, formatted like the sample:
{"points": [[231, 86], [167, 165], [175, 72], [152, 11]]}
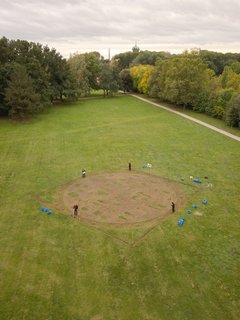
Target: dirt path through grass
{"points": [[232, 136]]}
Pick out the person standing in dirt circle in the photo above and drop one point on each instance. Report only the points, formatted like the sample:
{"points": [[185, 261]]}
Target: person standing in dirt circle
{"points": [[75, 210], [83, 173], [129, 166], [173, 207]]}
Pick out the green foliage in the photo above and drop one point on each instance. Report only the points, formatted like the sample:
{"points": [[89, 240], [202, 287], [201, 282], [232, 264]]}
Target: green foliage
{"points": [[182, 80], [217, 60], [60, 76], [86, 68], [230, 79], [94, 62], [236, 67], [5, 72], [222, 100], [78, 67], [124, 60], [202, 102], [233, 112], [5, 50], [225, 96], [20, 95], [126, 80], [153, 84], [136, 57], [49, 72], [150, 57], [109, 80]]}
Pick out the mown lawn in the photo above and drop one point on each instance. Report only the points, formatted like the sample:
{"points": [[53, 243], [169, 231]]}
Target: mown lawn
{"points": [[52, 267]]}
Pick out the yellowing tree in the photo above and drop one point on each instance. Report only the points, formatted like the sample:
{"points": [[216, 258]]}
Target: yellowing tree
{"points": [[230, 79], [140, 75]]}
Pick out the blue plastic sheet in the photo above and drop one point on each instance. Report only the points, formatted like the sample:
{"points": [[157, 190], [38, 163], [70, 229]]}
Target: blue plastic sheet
{"points": [[197, 180], [181, 222], [46, 210]]}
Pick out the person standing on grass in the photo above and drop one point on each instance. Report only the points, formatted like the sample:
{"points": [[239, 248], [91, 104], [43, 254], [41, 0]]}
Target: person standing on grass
{"points": [[129, 166], [173, 207], [75, 210]]}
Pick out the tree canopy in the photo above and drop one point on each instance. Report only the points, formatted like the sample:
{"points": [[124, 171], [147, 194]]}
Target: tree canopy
{"points": [[20, 95], [44, 69]]}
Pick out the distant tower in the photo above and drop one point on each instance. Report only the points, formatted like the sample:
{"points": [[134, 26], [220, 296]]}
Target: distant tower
{"points": [[135, 48], [109, 54]]}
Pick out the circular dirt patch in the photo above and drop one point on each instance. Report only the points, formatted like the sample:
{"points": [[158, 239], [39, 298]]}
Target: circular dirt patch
{"points": [[122, 198]]}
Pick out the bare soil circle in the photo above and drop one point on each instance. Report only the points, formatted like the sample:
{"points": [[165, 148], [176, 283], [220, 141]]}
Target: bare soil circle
{"points": [[122, 197]]}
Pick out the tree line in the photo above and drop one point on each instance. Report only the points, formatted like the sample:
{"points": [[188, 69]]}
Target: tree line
{"points": [[33, 76], [204, 81]]}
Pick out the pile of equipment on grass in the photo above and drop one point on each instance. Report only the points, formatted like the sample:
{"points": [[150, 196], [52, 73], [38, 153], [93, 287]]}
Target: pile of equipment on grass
{"points": [[146, 165], [189, 212], [194, 205], [199, 181], [46, 210]]}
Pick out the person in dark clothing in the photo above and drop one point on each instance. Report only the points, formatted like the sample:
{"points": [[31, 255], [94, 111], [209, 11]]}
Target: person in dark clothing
{"points": [[129, 166], [83, 173], [173, 207], [75, 210]]}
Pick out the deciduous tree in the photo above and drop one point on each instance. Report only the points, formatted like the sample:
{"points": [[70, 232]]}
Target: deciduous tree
{"points": [[108, 80], [20, 96]]}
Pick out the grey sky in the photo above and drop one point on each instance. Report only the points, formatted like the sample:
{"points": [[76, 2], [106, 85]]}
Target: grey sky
{"points": [[87, 25]]}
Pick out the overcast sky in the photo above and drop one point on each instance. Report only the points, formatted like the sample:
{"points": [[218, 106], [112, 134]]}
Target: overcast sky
{"points": [[157, 25]]}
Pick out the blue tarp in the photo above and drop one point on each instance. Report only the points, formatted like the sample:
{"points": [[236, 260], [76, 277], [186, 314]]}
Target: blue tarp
{"points": [[197, 180], [181, 222], [46, 210]]}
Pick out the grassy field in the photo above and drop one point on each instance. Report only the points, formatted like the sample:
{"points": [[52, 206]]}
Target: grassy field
{"points": [[52, 267]]}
